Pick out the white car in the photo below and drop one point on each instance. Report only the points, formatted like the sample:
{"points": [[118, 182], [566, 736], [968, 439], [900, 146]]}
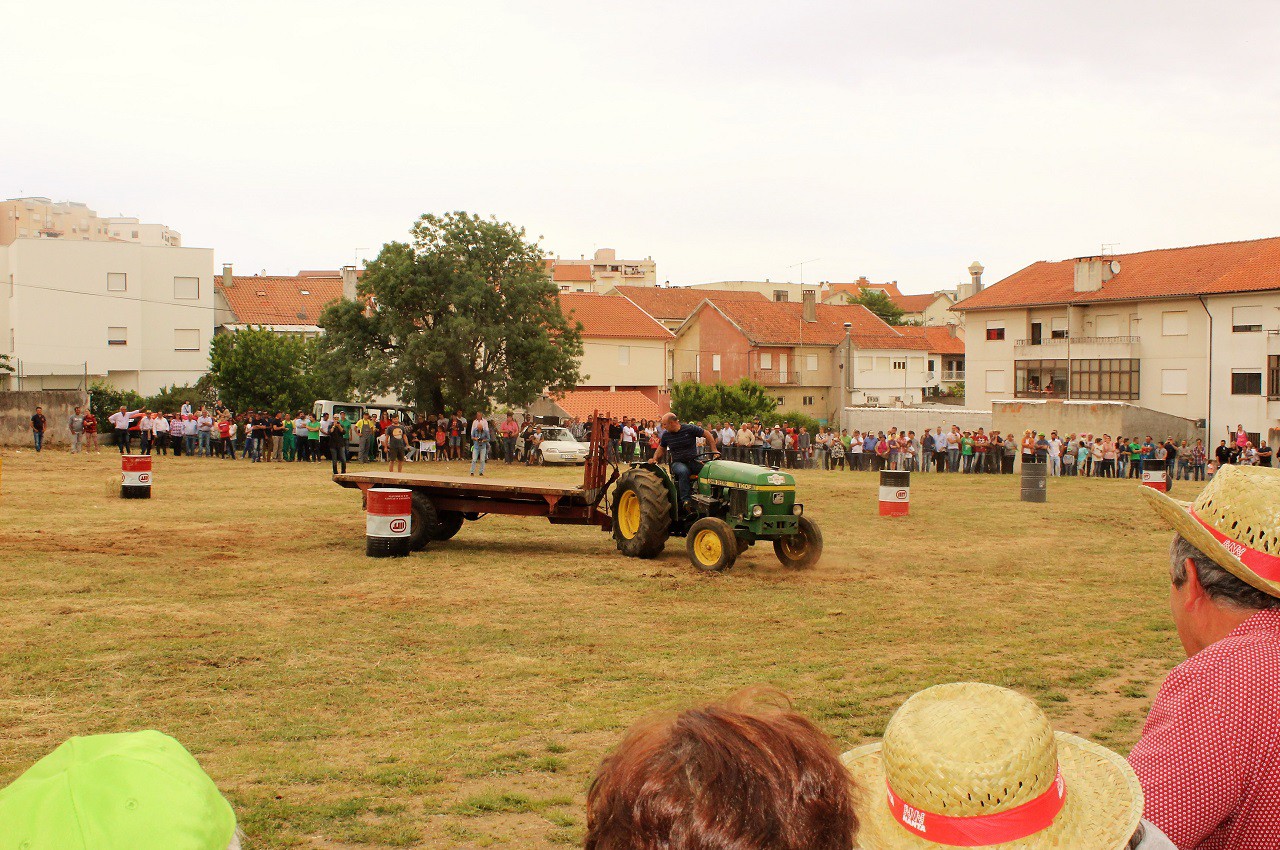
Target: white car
{"points": [[559, 446]]}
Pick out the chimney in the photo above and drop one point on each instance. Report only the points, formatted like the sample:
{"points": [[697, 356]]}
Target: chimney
{"points": [[349, 283], [810, 301], [1092, 272], [975, 275], [228, 280], [953, 329]]}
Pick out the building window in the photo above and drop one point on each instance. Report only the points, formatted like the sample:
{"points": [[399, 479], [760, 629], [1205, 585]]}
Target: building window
{"points": [[781, 401], [900, 365], [624, 355], [135, 234], [1039, 378], [117, 281], [1173, 323], [766, 360], [715, 363], [995, 331], [807, 400], [995, 381], [1246, 319], [1115, 379], [117, 336], [781, 295], [1273, 376], [186, 288], [811, 362], [186, 339], [1173, 381], [1058, 327], [1246, 383]]}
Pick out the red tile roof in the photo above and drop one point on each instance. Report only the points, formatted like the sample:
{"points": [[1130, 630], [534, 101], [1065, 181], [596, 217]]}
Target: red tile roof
{"points": [[1166, 273], [936, 340], [908, 303], [782, 323], [582, 403], [679, 302], [610, 316], [570, 272], [279, 300]]}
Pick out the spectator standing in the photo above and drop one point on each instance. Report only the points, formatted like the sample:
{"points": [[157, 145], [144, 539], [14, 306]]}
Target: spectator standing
{"points": [[1055, 454], [628, 438], [38, 423], [91, 433], [967, 444], [190, 434], [75, 424], [953, 449], [338, 444], [204, 430], [510, 430], [397, 444], [480, 437], [175, 434], [313, 439], [120, 425]]}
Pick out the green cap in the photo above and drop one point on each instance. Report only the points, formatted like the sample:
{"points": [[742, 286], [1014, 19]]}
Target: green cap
{"points": [[129, 791]]}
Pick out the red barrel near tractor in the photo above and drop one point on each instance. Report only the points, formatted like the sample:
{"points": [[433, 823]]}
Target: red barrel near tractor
{"points": [[732, 507]]}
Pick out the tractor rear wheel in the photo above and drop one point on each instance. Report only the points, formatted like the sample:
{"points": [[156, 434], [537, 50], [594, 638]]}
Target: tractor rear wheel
{"points": [[802, 549], [641, 514], [712, 544], [423, 523]]}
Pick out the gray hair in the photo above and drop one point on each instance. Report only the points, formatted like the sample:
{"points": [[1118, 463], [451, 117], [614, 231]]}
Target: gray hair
{"points": [[1221, 586]]}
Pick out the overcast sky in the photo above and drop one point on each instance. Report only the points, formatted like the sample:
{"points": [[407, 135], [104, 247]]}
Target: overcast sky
{"points": [[726, 140]]}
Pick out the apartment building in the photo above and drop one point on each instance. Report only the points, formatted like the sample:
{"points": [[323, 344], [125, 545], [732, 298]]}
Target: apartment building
{"points": [[932, 309], [42, 218], [774, 290], [814, 358], [600, 273], [139, 316], [1192, 332]]}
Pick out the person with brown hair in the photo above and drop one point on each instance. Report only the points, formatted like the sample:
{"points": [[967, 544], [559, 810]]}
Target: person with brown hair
{"points": [[749, 773]]}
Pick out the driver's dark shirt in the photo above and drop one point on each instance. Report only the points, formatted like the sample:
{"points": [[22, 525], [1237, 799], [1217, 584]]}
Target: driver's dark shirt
{"points": [[682, 445]]}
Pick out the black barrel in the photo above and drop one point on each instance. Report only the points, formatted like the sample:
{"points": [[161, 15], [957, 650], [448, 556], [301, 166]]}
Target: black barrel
{"points": [[1035, 482]]}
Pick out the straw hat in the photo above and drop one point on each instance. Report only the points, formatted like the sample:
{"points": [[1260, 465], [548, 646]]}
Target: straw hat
{"points": [[1235, 521], [975, 765]]}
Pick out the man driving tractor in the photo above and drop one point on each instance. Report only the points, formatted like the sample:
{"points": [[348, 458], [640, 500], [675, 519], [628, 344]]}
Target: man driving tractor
{"points": [[681, 442]]}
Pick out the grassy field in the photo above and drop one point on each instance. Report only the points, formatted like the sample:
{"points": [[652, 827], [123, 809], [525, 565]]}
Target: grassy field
{"points": [[463, 696]]}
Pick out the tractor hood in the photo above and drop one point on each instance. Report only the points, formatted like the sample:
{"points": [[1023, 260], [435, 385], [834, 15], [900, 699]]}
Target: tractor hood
{"points": [[744, 476]]}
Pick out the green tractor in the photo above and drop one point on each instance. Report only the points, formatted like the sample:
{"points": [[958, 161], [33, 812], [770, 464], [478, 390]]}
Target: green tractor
{"points": [[733, 505]]}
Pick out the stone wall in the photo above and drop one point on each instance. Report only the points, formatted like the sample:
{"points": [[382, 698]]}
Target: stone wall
{"points": [[914, 418], [16, 407], [1091, 417]]}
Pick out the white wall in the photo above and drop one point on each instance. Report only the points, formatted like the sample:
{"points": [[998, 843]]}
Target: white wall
{"points": [[873, 376], [60, 310], [602, 366]]}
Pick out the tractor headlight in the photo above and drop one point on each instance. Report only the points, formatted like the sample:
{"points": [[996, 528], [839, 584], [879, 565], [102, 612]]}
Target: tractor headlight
{"points": [[797, 509], [757, 511]]}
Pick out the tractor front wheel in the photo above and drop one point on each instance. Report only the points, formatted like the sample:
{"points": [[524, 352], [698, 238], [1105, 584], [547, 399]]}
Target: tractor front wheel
{"points": [[802, 549], [641, 514], [712, 544]]}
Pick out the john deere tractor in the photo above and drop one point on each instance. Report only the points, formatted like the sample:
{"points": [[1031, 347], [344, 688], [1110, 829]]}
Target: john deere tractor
{"points": [[733, 506]]}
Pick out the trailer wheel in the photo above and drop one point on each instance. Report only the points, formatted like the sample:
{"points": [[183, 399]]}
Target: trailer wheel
{"points": [[712, 544], [447, 525], [424, 522], [802, 549], [641, 514]]}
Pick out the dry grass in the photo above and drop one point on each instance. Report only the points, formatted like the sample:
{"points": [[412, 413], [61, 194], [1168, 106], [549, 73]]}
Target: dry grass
{"points": [[462, 697]]}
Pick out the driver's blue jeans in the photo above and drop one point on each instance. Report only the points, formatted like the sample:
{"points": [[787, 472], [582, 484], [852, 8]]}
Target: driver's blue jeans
{"points": [[684, 471]]}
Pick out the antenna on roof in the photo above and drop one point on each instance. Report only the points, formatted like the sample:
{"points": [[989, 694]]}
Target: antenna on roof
{"points": [[1109, 248], [801, 265]]}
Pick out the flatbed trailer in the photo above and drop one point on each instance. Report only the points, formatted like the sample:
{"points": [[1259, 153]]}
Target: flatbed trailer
{"points": [[442, 502]]}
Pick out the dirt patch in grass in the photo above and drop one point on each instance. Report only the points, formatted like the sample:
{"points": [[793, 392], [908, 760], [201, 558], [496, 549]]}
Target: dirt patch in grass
{"points": [[463, 697]]}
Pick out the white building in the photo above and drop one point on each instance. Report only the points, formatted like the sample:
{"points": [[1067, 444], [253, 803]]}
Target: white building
{"points": [[139, 316], [1192, 332]]}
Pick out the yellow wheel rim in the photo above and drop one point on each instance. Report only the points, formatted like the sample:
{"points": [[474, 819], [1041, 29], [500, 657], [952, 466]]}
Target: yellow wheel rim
{"points": [[629, 514], [795, 545], [707, 547]]}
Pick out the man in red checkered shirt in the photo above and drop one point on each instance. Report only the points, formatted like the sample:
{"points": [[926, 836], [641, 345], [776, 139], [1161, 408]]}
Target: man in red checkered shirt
{"points": [[1209, 757]]}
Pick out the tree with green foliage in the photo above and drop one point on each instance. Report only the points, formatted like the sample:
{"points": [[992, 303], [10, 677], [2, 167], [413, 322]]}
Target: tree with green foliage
{"points": [[720, 402], [5, 366], [880, 304], [171, 398], [258, 369], [104, 400], [462, 317]]}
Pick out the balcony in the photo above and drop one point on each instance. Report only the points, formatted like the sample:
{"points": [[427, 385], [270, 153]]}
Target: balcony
{"points": [[957, 375], [774, 378], [1082, 347]]}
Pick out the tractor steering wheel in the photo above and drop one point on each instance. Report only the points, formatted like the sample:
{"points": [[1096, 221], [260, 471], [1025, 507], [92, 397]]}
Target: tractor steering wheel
{"points": [[706, 455]]}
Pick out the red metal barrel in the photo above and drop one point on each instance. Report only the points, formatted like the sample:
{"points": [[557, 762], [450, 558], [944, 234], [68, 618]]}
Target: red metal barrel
{"points": [[895, 493], [135, 476], [389, 514], [1155, 474]]}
